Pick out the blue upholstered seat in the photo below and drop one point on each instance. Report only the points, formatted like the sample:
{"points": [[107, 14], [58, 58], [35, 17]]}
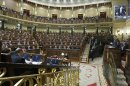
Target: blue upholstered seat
{"points": [[36, 58], [53, 61]]}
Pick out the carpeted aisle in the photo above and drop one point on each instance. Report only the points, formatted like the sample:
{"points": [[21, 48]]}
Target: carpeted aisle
{"points": [[94, 84], [91, 75]]}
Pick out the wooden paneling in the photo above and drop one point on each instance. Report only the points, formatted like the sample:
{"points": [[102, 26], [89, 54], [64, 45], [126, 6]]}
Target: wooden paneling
{"points": [[0, 50]]}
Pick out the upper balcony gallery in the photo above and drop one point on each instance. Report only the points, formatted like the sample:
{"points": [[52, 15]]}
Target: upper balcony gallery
{"points": [[93, 13]]}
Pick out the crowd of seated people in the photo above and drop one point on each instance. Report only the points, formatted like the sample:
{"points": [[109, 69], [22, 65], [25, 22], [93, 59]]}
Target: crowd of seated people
{"points": [[23, 62], [13, 43], [14, 39], [67, 41], [61, 41], [107, 19], [97, 43], [13, 13], [56, 41], [123, 46], [20, 55]]}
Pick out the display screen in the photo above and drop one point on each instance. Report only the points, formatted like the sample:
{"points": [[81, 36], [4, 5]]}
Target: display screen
{"points": [[120, 12]]}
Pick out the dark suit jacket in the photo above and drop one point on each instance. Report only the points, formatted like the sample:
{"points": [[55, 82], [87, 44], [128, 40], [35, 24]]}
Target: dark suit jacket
{"points": [[17, 58]]}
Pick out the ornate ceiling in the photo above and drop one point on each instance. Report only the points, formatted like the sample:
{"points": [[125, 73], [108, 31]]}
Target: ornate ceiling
{"points": [[65, 3]]}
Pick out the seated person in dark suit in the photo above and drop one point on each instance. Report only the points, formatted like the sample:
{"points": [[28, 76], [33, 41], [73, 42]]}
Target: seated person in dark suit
{"points": [[37, 59], [66, 56], [17, 56], [5, 55], [27, 58], [124, 46], [116, 43]]}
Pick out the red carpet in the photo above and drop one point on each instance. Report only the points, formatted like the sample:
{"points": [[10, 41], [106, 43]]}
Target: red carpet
{"points": [[94, 84]]}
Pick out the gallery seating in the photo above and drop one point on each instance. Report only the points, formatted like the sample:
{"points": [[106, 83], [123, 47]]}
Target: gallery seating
{"points": [[10, 12]]}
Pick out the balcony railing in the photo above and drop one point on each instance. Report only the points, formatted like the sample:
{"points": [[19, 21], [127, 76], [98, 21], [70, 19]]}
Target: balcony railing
{"points": [[67, 76], [11, 14], [109, 65]]}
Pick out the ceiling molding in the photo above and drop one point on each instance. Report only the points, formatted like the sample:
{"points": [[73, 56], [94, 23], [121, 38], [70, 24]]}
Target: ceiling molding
{"points": [[66, 4]]}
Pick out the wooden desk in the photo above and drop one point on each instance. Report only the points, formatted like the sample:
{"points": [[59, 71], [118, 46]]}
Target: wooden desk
{"points": [[67, 62], [71, 52], [13, 68], [0, 50]]}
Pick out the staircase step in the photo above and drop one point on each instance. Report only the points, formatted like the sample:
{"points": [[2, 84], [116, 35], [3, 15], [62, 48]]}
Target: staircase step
{"points": [[122, 83], [84, 58], [85, 54], [121, 77], [123, 63], [83, 61], [119, 71]]}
